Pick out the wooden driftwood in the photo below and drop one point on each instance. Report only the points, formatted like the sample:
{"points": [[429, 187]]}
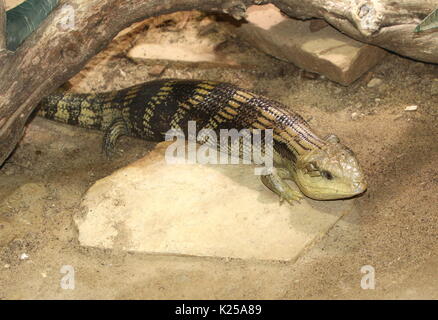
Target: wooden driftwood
{"points": [[62, 45], [385, 23]]}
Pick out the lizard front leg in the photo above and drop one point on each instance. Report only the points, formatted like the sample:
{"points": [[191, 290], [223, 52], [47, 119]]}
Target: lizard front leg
{"points": [[277, 184]]}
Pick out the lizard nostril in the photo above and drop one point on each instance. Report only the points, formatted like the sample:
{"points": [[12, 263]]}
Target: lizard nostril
{"points": [[359, 187]]}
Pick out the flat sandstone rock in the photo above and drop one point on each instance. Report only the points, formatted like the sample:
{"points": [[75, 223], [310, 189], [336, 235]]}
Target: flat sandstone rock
{"points": [[311, 45], [200, 210]]}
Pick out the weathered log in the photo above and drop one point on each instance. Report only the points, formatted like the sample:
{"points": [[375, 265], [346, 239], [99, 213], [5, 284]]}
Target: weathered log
{"points": [[385, 23], [54, 53]]}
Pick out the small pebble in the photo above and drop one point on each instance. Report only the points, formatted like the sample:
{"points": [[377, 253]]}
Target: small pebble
{"points": [[375, 82], [356, 116], [24, 256], [156, 70], [411, 108]]}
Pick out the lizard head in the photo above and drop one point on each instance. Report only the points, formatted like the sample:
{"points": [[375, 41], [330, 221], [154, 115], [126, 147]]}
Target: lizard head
{"points": [[331, 172]]}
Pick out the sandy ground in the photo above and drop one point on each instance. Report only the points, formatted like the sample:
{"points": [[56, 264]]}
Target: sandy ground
{"points": [[395, 229]]}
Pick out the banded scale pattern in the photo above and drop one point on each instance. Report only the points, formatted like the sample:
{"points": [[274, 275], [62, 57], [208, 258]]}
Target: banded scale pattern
{"points": [[150, 109]]}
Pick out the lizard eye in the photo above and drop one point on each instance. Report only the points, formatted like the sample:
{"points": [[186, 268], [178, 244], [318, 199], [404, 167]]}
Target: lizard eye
{"points": [[326, 175]]}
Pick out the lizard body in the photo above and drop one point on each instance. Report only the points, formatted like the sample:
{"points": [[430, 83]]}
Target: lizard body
{"points": [[322, 168]]}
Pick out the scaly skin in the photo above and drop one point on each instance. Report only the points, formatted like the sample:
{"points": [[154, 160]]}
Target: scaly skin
{"points": [[323, 169]]}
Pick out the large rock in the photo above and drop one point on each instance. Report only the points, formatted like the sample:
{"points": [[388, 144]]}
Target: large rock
{"points": [[194, 43], [201, 210], [311, 45]]}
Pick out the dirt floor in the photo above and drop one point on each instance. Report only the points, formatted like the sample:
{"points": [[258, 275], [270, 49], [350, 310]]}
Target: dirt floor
{"points": [[395, 229]]}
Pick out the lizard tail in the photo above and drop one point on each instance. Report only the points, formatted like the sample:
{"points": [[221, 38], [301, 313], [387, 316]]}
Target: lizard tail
{"points": [[84, 110]]}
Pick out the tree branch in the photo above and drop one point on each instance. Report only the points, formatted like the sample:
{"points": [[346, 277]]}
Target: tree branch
{"points": [[60, 49]]}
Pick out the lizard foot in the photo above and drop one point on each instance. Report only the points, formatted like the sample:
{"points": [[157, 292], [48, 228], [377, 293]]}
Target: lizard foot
{"points": [[112, 134], [277, 185]]}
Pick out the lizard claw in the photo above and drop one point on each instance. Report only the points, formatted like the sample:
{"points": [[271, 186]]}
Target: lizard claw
{"points": [[291, 196]]}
